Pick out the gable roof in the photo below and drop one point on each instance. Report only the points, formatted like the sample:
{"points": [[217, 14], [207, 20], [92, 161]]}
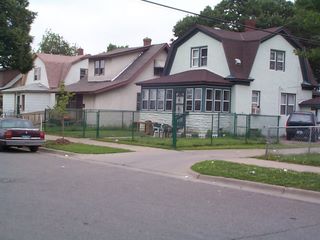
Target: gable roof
{"points": [[7, 76], [192, 77], [240, 45], [148, 54], [34, 87], [58, 66]]}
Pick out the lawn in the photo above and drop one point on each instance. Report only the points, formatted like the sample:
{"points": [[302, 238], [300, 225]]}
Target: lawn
{"points": [[281, 177], [312, 159], [191, 143], [83, 148]]}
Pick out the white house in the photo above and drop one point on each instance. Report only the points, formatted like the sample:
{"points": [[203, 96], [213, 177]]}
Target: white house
{"points": [[112, 75], [216, 71], [37, 90]]}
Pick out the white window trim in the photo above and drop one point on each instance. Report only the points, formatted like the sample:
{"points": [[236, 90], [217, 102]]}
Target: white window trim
{"points": [[198, 56], [286, 104], [168, 99], [188, 99], [197, 99], [225, 101], [209, 100], [275, 60], [145, 98], [153, 99], [160, 99], [217, 100]]}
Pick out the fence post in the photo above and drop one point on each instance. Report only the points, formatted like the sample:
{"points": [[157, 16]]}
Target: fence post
{"points": [[84, 123], [45, 120], [235, 127], [278, 130], [268, 143], [132, 124], [247, 128], [211, 132], [310, 135], [218, 124], [98, 124], [122, 124], [174, 130]]}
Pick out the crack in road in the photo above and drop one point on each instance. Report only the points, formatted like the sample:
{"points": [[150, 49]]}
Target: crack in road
{"points": [[276, 232]]}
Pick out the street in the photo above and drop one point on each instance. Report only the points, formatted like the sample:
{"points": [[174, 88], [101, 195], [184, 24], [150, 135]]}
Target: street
{"points": [[52, 197]]}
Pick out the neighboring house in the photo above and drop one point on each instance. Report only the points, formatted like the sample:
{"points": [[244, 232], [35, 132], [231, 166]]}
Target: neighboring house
{"points": [[112, 75], [38, 90], [216, 71], [8, 78]]}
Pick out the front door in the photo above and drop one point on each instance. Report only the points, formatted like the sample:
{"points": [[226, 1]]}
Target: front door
{"points": [[179, 108]]}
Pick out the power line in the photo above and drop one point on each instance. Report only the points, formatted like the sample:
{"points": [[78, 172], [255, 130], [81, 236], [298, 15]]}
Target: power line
{"points": [[230, 23]]}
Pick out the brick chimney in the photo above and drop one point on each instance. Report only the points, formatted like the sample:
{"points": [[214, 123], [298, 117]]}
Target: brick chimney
{"points": [[147, 41], [250, 24], [80, 51]]}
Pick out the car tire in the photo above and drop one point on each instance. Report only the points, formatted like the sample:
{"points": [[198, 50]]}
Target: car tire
{"points": [[34, 148]]}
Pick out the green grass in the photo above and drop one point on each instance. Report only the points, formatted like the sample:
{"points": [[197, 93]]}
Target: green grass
{"points": [[312, 159], [191, 143], [83, 148], [308, 181]]}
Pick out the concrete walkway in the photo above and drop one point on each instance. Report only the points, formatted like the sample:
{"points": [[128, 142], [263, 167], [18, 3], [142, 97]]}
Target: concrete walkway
{"points": [[178, 163]]}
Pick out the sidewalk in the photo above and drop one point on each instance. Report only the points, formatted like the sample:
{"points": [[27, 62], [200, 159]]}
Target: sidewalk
{"points": [[178, 164]]}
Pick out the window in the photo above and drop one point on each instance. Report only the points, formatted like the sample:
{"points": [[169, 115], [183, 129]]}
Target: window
{"points": [[288, 103], [83, 73], [226, 101], [199, 56], [255, 102], [157, 71], [99, 67], [160, 99], [152, 98], [209, 99], [197, 99], [217, 100], [277, 60], [189, 99], [145, 98], [169, 97], [37, 73]]}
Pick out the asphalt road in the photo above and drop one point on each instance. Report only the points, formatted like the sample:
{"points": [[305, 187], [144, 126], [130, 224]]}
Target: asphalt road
{"points": [[44, 196]]}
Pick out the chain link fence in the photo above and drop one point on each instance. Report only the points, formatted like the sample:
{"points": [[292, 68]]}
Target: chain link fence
{"points": [[162, 128], [292, 140]]}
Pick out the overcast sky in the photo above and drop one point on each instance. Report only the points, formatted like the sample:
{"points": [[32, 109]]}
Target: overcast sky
{"points": [[94, 24]]}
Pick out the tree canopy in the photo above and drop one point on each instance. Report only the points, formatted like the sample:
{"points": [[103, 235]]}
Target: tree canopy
{"points": [[113, 46], [15, 22], [53, 43], [302, 18]]}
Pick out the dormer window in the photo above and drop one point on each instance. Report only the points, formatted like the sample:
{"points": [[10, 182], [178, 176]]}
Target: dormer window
{"points": [[99, 67], [277, 60], [199, 56], [37, 73]]}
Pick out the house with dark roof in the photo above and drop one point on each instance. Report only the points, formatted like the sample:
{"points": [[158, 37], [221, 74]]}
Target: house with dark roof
{"points": [[8, 78], [38, 89], [211, 70], [112, 75]]}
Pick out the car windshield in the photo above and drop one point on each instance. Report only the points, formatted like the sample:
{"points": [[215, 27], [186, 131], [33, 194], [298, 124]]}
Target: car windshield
{"points": [[16, 123], [301, 118]]}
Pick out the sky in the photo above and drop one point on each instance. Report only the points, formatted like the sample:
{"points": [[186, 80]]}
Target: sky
{"points": [[93, 24]]}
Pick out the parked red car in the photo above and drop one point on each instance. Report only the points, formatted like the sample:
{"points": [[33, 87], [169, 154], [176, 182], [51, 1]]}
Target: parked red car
{"points": [[16, 132]]}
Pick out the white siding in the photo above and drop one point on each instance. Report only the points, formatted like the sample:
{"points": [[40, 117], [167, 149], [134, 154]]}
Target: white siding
{"points": [[38, 101], [217, 61], [113, 67], [8, 102], [123, 98], [43, 76], [73, 75], [271, 83]]}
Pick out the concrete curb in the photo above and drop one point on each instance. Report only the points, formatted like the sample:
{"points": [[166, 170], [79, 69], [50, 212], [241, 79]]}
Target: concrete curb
{"points": [[280, 191]]}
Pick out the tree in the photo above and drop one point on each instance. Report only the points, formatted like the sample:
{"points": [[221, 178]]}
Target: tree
{"points": [[113, 46], [15, 22], [233, 13], [53, 43], [60, 108]]}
